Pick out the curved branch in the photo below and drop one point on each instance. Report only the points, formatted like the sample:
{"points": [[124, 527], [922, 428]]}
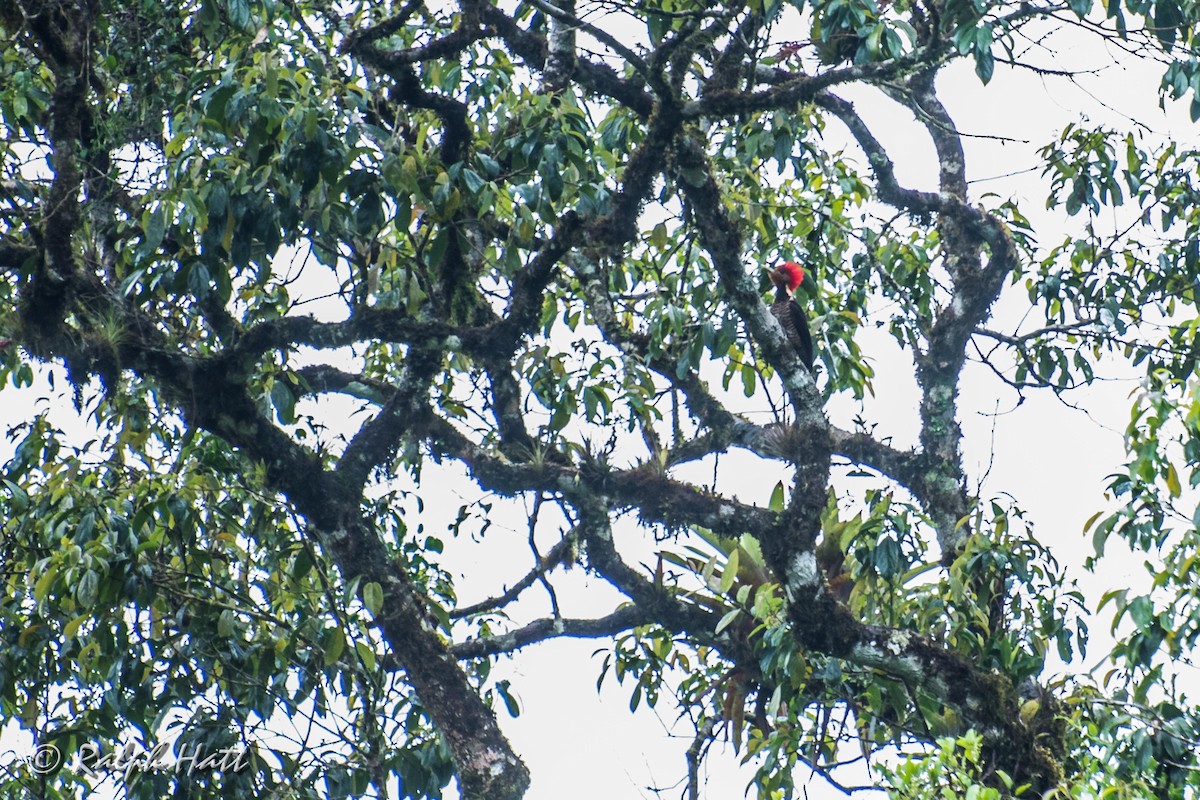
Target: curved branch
{"points": [[322, 378], [660, 602], [557, 555], [362, 43], [598, 78], [541, 630], [1020, 339], [884, 170], [905, 467], [377, 439], [657, 498], [966, 230], [383, 28], [790, 89]]}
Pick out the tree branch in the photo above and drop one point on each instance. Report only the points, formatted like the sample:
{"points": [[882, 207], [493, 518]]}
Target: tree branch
{"points": [[559, 553], [376, 441], [564, 15], [541, 630], [1021, 339], [598, 78]]}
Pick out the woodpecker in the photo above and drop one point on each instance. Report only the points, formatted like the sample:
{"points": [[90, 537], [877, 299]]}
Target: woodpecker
{"points": [[787, 277]]}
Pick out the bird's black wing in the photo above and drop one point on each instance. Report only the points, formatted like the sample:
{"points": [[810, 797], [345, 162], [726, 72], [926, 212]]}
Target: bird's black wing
{"points": [[804, 343]]}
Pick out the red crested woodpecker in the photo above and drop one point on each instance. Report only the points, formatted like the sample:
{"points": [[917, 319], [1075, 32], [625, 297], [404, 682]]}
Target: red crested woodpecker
{"points": [[787, 277]]}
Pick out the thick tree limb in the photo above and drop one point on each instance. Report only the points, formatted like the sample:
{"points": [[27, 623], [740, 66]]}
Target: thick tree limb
{"points": [[975, 286], [377, 439], [323, 378], [65, 36], [791, 89], [560, 61], [566, 17]]}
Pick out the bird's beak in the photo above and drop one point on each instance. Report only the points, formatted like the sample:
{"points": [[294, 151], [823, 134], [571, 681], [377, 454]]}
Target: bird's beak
{"points": [[774, 275]]}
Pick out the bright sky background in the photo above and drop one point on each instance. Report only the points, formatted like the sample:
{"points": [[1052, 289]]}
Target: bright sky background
{"points": [[1053, 459]]}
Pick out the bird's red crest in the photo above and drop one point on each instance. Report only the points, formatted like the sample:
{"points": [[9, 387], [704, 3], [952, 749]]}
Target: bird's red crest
{"points": [[793, 273]]}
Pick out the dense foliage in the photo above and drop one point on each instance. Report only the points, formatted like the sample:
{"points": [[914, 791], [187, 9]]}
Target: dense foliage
{"points": [[301, 259]]}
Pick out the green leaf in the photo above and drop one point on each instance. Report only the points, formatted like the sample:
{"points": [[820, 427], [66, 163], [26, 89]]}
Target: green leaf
{"points": [[369, 214], [1142, 611], [1100, 536], [284, 401], [199, 280], [20, 500], [239, 13], [41, 589], [729, 574], [154, 223], [490, 165], [367, 654], [72, 627], [225, 624], [88, 588], [726, 620], [776, 503], [1172, 478], [334, 646], [373, 597], [472, 179], [985, 65], [435, 254], [749, 379], [1168, 18]]}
